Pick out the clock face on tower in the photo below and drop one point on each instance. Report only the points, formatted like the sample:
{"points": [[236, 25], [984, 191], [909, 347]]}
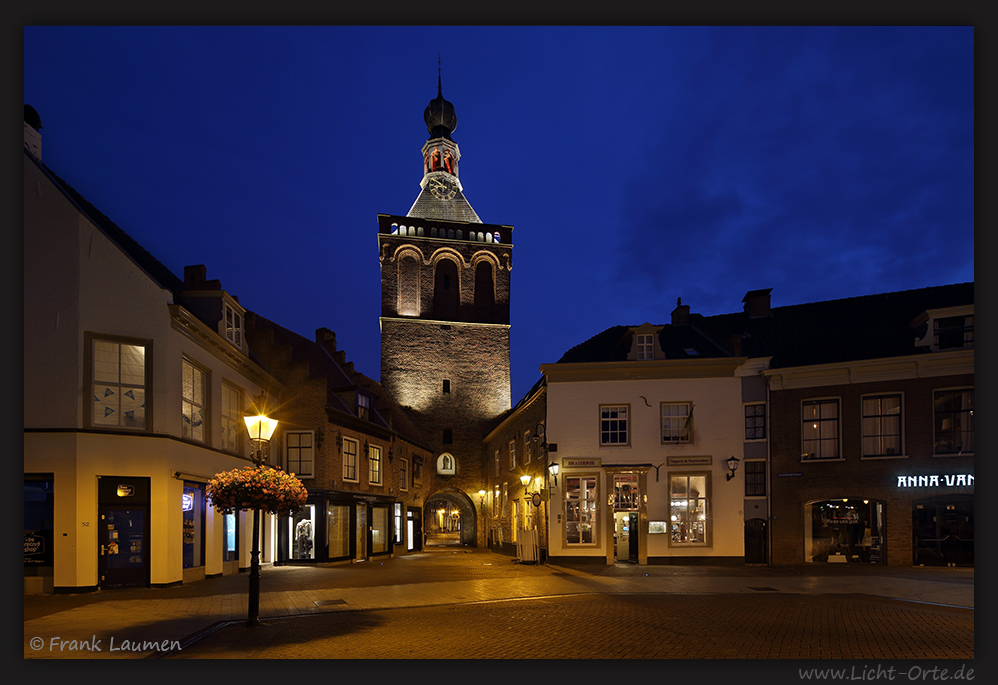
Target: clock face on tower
{"points": [[442, 188]]}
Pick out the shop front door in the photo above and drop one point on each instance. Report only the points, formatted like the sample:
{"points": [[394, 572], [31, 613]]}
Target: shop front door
{"points": [[123, 531], [123, 559]]}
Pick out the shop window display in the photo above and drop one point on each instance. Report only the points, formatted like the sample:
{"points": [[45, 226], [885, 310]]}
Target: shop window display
{"points": [[302, 531], [580, 510], [688, 512], [843, 531]]}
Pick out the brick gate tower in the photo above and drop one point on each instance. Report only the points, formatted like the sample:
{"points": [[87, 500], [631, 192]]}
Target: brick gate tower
{"points": [[445, 280]]}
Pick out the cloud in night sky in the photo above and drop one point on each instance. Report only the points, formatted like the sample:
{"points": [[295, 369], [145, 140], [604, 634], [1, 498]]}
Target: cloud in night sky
{"points": [[636, 164]]}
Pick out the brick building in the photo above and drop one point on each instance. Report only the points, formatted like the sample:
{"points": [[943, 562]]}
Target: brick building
{"points": [[445, 279], [356, 452]]}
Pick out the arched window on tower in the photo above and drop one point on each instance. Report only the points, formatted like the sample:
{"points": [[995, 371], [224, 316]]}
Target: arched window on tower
{"points": [[485, 293], [408, 285], [446, 293]]}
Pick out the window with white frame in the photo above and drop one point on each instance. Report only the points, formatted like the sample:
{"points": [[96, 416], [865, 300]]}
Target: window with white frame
{"points": [[820, 429], [677, 422], [374, 459], [645, 346], [688, 509], [527, 448], [299, 449], [194, 403], [497, 462], [512, 454], [350, 460], [882, 425], [404, 475], [118, 374], [233, 426], [954, 421], [755, 421], [233, 325], [613, 424], [580, 510]]}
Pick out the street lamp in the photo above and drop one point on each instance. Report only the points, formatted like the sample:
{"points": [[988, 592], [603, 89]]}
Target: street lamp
{"points": [[260, 428], [732, 463]]}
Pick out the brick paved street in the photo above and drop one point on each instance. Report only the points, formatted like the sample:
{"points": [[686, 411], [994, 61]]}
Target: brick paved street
{"points": [[638, 626]]}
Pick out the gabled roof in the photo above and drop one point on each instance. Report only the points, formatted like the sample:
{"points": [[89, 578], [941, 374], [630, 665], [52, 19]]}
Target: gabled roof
{"points": [[850, 329], [152, 266]]}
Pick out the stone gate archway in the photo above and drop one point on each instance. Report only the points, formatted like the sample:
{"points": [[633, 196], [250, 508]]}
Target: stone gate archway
{"points": [[449, 517]]}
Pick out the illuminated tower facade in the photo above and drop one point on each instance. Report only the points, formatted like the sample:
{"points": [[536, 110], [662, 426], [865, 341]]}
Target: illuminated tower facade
{"points": [[445, 284]]}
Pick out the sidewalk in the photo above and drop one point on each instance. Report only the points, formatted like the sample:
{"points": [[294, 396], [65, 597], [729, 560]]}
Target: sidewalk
{"points": [[148, 622]]}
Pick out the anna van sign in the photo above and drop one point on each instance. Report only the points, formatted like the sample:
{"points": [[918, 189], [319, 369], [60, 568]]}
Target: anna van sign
{"points": [[954, 480]]}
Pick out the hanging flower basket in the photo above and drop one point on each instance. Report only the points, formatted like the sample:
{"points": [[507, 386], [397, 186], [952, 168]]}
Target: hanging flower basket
{"points": [[263, 488]]}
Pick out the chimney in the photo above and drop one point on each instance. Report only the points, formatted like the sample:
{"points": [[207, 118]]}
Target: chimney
{"points": [[32, 126], [196, 278], [327, 339], [681, 314], [757, 303]]}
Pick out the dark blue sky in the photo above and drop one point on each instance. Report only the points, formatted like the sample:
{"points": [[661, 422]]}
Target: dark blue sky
{"points": [[637, 165]]}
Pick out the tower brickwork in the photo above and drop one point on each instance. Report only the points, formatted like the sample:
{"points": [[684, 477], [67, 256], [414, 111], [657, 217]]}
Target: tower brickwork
{"points": [[445, 340]]}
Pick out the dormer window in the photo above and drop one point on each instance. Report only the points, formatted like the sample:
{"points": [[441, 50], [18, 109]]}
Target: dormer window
{"points": [[954, 332], [233, 322], [363, 407], [645, 346], [951, 328], [644, 343]]}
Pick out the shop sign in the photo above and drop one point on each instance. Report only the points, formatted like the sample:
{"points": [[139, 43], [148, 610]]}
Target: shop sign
{"points": [[580, 463], [792, 474], [949, 480], [704, 460], [188, 502]]}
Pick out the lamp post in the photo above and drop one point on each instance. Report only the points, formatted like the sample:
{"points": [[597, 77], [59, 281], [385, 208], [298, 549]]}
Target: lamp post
{"points": [[260, 429]]}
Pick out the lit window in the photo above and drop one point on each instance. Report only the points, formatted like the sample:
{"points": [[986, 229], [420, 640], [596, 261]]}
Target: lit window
{"points": [[954, 421], [820, 429], [580, 510], [194, 389], [119, 385], [677, 422], [374, 459], [688, 513], [882, 426], [350, 460], [613, 424], [300, 453]]}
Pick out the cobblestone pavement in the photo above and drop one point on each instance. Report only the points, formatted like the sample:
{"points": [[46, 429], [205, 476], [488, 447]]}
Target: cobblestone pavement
{"points": [[465, 597], [636, 626]]}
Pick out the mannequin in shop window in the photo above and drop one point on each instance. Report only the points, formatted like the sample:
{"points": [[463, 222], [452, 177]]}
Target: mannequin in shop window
{"points": [[303, 535]]}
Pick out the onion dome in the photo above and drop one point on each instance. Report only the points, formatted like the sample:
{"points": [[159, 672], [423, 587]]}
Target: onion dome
{"points": [[439, 115]]}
